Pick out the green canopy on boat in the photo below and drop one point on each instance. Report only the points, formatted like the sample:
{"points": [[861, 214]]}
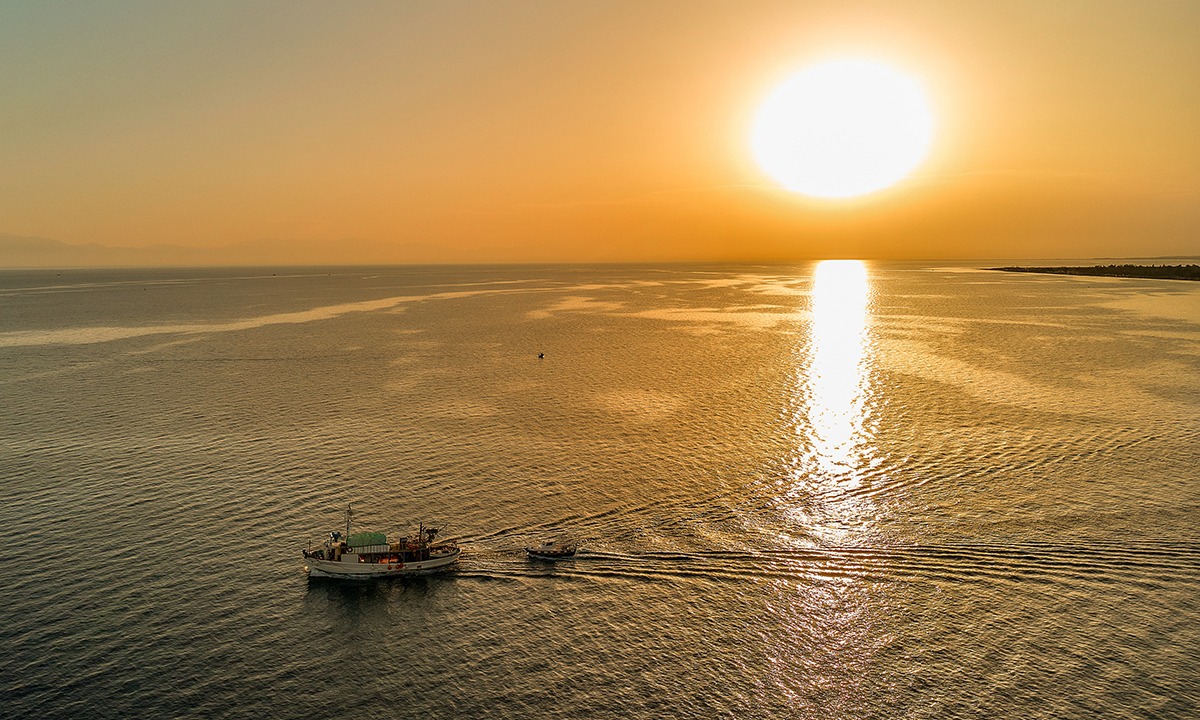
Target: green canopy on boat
{"points": [[367, 538]]}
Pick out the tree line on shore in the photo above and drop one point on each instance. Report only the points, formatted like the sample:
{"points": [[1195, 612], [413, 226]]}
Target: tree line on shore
{"points": [[1157, 272]]}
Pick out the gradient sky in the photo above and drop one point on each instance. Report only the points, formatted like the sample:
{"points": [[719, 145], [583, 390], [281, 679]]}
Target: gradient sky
{"points": [[586, 131]]}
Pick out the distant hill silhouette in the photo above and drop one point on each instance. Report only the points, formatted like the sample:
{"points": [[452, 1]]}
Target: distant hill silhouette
{"points": [[37, 252]]}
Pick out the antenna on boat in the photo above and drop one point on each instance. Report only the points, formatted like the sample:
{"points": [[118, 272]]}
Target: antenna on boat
{"points": [[349, 514]]}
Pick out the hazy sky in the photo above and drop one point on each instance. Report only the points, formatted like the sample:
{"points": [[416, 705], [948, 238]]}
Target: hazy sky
{"points": [[548, 131]]}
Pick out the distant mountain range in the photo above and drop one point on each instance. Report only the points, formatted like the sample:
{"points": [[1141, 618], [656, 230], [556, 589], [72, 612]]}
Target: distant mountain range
{"points": [[36, 252]]}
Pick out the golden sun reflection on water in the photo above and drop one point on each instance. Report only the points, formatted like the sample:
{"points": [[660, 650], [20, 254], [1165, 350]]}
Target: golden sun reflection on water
{"points": [[832, 392], [836, 378], [827, 610]]}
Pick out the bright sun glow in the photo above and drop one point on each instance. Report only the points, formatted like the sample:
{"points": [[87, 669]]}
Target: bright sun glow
{"points": [[843, 128]]}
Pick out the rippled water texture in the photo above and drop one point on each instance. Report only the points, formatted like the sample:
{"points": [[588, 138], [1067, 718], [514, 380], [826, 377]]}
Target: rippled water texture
{"points": [[836, 491]]}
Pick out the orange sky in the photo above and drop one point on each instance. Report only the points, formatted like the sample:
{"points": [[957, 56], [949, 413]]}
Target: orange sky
{"points": [[560, 131]]}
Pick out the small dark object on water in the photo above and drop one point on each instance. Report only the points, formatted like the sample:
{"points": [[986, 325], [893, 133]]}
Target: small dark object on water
{"points": [[541, 356]]}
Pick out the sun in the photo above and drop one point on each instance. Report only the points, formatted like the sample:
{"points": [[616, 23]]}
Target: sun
{"points": [[843, 128]]}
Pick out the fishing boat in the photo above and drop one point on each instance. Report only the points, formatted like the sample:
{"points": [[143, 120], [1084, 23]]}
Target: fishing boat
{"points": [[551, 550], [369, 555]]}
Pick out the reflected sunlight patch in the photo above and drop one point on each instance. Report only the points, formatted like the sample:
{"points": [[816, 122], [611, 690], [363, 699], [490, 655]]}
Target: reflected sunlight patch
{"points": [[1077, 396], [1183, 306], [715, 317], [575, 303], [833, 386], [89, 335], [778, 286], [835, 382]]}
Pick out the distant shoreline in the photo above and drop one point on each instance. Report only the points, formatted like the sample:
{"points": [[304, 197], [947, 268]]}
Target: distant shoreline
{"points": [[1153, 272]]}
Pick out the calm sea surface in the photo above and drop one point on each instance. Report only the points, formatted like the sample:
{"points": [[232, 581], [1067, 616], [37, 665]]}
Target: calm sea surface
{"points": [[830, 491]]}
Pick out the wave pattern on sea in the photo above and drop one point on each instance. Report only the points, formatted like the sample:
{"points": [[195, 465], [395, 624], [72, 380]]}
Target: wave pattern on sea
{"points": [[973, 552], [1147, 565]]}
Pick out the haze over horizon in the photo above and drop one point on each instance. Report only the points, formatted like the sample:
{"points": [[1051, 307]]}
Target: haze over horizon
{"points": [[541, 132]]}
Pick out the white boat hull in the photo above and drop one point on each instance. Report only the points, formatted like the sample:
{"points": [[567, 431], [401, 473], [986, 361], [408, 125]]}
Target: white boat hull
{"points": [[354, 570], [552, 550]]}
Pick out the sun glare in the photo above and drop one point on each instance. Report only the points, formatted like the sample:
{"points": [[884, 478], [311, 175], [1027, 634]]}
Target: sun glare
{"points": [[843, 128]]}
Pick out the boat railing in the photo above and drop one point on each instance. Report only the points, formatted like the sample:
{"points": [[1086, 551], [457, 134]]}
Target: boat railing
{"points": [[370, 549]]}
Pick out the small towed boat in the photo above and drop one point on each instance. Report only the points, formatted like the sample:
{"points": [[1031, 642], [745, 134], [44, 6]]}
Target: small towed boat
{"points": [[369, 555], [551, 550]]}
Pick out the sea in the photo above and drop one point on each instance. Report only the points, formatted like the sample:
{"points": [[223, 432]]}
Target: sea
{"points": [[826, 490]]}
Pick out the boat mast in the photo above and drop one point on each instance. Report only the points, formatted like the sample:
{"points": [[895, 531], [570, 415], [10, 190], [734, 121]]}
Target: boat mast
{"points": [[349, 514]]}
